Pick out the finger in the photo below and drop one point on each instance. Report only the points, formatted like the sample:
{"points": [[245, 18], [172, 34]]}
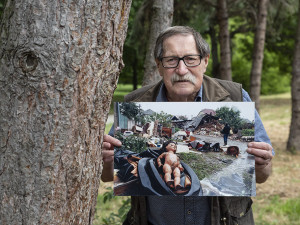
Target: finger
{"points": [[108, 155], [262, 157], [111, 140], [262, 152], [108, 159], [260, 145], [107, 146], [265, 154], [262, 161], [260, 149]]}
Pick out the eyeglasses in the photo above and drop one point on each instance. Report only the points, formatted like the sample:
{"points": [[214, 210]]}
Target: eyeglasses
{"points": [[173, 61]]}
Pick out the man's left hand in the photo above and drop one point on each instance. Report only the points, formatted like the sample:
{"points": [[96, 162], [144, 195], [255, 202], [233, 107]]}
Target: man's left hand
{"points": [[263, 159]]}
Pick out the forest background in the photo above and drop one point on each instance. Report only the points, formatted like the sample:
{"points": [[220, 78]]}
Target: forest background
{"points": [[273, 205], [278, 199], [279, 41]]}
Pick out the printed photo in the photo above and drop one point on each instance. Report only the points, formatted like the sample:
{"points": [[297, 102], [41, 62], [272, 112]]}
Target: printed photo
{"points": [[184, 148]]}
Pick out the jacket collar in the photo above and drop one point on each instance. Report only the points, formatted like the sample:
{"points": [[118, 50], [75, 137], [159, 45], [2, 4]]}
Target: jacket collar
{"points": [[213, 91]]}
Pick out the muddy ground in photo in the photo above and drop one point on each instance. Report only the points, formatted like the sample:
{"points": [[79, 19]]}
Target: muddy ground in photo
{"points": [[221, 174]]}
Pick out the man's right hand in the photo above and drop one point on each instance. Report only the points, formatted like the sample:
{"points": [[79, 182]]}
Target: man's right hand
{"points": [[108, 145]]}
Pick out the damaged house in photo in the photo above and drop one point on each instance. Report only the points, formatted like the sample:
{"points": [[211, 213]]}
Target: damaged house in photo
{"points": [[186, 149]]}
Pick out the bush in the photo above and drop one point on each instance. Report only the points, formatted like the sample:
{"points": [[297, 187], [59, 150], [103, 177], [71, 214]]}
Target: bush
{"points": [[115, 217], [132, 143], [248, 132]]}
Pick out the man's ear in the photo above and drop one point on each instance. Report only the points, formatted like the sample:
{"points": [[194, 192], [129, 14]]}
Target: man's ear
{"points": [[206, 60], [157, 63]]}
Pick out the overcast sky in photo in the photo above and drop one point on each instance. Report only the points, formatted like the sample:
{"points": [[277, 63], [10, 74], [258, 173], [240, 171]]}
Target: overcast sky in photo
{"points": [[191, 109]]}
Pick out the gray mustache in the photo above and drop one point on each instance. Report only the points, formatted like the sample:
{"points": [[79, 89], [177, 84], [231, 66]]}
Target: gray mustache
{"points": [[187, 77]]}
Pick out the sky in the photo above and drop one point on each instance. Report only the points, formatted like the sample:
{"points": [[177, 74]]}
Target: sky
{"points": [[191, 109]]}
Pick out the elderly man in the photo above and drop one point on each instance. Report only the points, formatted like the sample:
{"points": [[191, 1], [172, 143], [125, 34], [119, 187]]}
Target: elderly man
{"points": [[182, 55]]}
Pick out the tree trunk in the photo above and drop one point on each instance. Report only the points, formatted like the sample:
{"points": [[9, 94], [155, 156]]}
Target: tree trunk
{"points": [[162, 17], [294, 141], [225, 64], [258, 52], [60, 61], [214, 51], [135, 76]]}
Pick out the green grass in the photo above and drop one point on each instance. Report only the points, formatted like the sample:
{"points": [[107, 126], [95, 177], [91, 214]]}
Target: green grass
{"points": [[286, 95], [276, 211], [108, 127], [120, 92], [111, 210], [203, 165], [125, 88], [275, 109]]}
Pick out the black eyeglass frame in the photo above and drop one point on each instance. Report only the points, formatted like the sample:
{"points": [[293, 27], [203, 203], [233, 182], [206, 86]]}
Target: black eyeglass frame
{"points": [[179, 58]]}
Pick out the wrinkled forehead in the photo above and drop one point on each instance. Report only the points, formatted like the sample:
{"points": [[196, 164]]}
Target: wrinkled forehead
{"points": [[179, 43]]}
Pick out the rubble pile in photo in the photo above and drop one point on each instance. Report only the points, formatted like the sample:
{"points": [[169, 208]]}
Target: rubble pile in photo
{"points": [[215, 127]]}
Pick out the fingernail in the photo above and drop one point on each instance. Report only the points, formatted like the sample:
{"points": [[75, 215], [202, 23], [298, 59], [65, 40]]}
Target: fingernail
{"points": [[250, 145]]}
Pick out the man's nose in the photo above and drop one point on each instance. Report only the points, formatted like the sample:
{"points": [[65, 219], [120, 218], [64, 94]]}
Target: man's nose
{"points": [[181, 69]]}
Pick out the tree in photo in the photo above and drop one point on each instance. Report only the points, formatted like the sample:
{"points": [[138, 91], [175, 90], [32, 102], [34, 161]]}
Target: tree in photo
{"points": [[60, 62], [131, 110], [231, 116], [164, 119]]}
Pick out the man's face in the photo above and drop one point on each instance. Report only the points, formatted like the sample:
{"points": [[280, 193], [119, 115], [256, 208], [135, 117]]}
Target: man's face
{"points": [[184, 89], [171, 147]]}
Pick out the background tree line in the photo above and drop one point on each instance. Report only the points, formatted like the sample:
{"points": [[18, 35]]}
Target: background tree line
{"points": [[242, 20]]}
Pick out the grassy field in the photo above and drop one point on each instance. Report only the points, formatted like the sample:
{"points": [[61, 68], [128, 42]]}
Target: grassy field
{"points": [[278, 199]]}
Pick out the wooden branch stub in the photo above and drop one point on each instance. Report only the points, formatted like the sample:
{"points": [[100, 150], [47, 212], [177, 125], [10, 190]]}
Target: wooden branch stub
{"points": [[28, 62]]}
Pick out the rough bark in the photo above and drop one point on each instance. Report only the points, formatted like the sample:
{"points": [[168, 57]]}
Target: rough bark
{"points": [[162, 17], [224, 38], [294, 141], [60, 61], [214, 51], [135, 76], [258, 52]]}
